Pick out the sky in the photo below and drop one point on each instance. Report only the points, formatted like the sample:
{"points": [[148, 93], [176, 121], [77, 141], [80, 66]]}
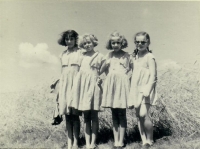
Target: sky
{"points": [[29, 31]]}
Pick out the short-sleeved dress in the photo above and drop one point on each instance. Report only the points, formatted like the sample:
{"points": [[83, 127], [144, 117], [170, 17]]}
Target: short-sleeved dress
{"points": [[87, 95], [70, 66], [117, 83], [140, 80]]}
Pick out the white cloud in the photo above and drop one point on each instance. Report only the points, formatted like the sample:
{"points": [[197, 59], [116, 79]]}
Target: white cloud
{"points": [[31, 56]]}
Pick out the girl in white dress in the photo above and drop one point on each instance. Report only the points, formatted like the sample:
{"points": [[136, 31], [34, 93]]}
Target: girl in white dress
{"points": [[70, 59], [117, 84], [143, 92], [87, 91]]}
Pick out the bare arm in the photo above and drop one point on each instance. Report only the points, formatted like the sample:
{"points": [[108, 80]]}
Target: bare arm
{"points": [[153, 77], [103, 67]]}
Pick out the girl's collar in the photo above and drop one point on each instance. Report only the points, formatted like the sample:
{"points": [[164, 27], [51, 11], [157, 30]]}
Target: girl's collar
{"points": [[138, 57], [93, 57], [73, 49], [142, 53], [120, 53], [70, 51], [90, 54]]}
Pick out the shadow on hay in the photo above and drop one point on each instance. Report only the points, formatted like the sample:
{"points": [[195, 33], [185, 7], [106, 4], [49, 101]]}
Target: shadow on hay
{"points": [[104, 136], [159, 116], [162, 130], [132, 134]]}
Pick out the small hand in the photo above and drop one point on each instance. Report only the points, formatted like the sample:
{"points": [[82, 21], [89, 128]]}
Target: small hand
{"points": [[145, 92]]}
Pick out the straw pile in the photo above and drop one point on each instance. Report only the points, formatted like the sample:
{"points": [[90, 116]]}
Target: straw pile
{"points": [[26, 116]]}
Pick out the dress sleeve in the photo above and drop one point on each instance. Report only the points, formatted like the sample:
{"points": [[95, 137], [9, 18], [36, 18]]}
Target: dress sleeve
{"points": [[60, 55], [102, 59], [150, 56], [80, 56], [126, 61], [98, 60], [131, 59], [107, 58]]}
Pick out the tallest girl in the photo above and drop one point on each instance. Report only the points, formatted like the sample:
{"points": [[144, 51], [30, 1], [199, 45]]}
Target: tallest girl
{"points": [[70, 61]]}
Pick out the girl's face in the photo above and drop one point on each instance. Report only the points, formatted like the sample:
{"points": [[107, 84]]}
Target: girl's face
{"points": [[141, 42], [70, 41], [116, 43], [88, 45]]}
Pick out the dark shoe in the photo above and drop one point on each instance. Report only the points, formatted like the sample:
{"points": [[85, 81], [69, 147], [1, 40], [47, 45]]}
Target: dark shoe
{"points": [[57, 120]]}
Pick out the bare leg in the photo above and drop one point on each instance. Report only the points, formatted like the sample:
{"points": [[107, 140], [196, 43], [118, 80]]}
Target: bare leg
{"points": [[69, 126], [146, 123], [116, 133], [148, 126], [76, 123], [95, 127], [123, 125], [121, 138], [87, 127], [141, 125]]}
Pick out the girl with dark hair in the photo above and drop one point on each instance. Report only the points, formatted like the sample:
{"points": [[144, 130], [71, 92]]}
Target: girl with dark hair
{"points": [[70, 63]]}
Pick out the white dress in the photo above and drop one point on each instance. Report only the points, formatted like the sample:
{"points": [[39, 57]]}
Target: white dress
{"points": [[117, 83], [70, 67], [87, 94], [140, 80]]}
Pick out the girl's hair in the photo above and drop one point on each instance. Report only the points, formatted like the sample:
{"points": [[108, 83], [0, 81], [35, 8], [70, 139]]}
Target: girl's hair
{"points": [[68, 33], [123, 40], [148, 40], [82, 39]]}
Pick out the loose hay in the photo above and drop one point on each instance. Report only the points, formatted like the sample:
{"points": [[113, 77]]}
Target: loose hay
{"points": [[26, 116]]}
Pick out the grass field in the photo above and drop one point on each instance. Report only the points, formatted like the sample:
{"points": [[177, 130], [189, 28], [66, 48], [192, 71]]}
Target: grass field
{"points": [[26, 116]]}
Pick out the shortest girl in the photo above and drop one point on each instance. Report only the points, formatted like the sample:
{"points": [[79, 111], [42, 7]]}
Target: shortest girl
{"points": [[87, 89], [116, 86], [143, 92]]}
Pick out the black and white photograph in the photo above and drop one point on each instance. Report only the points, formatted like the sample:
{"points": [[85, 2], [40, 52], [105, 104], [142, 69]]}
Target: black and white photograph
{"points": [[99, 74]]}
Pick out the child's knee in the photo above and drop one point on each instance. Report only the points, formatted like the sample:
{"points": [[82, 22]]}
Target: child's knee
{"points": [[76, 118], [143, 110], [115, 121], [122, 118], [94, 116], [87, 116], [115, 118], [68, 118]]}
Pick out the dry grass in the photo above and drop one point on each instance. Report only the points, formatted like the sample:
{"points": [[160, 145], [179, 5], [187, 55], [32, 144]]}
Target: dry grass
{"points": [[26, 116]]}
